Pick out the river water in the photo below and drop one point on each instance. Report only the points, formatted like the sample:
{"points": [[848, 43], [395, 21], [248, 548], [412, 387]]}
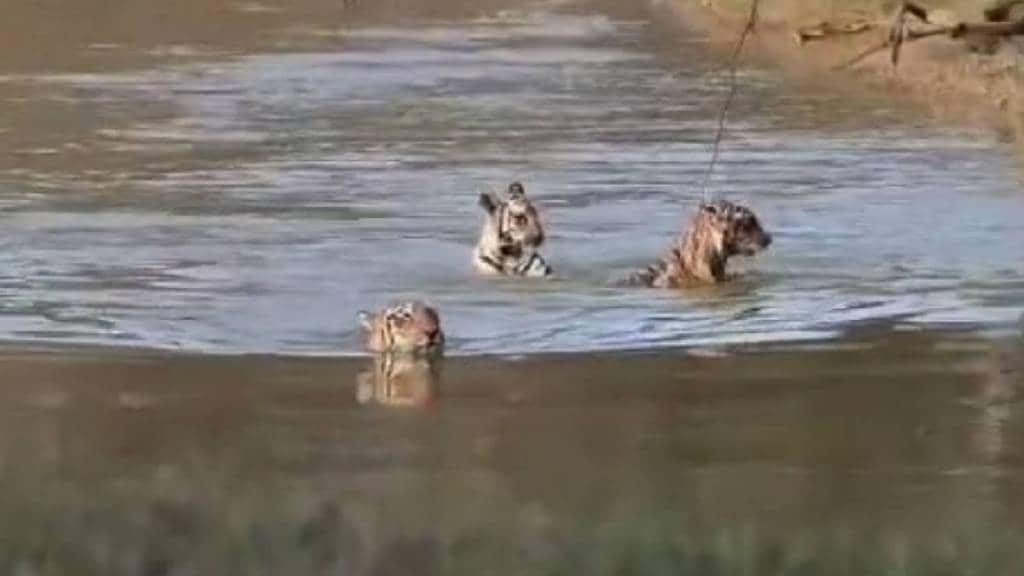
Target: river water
{"points": [[196, 197], [892, 453], [254, 197]]}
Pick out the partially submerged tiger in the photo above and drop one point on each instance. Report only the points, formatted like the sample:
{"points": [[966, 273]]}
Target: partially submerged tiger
{"points": [[411, 327], [511, 236], [717, 232]]}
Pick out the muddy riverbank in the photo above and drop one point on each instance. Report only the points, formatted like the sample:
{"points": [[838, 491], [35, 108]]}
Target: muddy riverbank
{"points": [[952, 79]]}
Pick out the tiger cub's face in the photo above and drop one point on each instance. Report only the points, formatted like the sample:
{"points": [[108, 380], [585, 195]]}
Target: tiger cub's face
{"points": [[513, 224], [734, 229], [406, 327]]}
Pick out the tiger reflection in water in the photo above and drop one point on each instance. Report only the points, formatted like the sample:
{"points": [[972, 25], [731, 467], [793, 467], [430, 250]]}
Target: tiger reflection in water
{"points": [[395, 379]]}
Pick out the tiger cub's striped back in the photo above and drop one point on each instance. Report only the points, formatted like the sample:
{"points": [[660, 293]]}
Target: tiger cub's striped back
{"points": [[718, 231]]}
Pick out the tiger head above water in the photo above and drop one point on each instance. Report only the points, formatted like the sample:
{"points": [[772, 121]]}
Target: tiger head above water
{"points": [[407, 327], [718, 231], [511, 236]]}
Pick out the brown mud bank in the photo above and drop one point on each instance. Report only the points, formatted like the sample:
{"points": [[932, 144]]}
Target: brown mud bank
{"points": [[969, 81]]}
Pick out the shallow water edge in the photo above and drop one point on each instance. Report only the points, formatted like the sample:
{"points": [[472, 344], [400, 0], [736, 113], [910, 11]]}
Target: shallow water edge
{"points": [[885, 451]]}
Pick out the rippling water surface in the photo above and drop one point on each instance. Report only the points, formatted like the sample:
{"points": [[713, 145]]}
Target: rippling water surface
{"points": [[255, 200], [243, 177]]}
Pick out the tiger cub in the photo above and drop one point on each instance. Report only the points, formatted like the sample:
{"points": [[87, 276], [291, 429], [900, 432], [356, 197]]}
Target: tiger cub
{"points": [[510, 237], [717, 232], [406, 327]]}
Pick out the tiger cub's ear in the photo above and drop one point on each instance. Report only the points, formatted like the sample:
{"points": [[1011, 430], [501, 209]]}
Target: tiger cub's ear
{"points": [[717, 210], [488, 202], [366, 320], [709, 208]]}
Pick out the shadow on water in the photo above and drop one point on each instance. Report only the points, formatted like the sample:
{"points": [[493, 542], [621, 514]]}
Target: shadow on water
{"points": [[884, 452]]}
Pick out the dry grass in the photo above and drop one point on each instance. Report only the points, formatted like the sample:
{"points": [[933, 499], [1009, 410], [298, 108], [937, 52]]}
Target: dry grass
{"points": [[207, 526], [204, 519]]}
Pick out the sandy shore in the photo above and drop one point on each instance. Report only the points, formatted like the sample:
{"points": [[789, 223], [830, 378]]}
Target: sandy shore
{"points": [[940, 75]]}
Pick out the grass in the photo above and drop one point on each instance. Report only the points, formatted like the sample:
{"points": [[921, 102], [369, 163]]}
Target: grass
{"points": [[199, 518]]}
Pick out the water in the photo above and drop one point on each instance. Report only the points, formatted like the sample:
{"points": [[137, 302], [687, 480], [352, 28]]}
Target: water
{"points": [[253, 200], [187, 178], [893, 453]]}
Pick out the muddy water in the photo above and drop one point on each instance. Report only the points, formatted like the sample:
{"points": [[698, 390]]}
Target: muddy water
{"points": [[892, 453], [252, 192], [242, 177]]}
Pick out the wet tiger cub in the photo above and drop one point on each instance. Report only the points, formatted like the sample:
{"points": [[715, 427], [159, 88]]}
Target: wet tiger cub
{"points": [[511, 235], [410, 327], [717, 232]]}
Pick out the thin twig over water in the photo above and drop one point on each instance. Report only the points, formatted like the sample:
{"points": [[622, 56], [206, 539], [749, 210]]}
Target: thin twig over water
{"points": [[724, 111]]}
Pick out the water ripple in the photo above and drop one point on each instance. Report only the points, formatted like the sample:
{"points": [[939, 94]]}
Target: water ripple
{"points": [[256, 203]]}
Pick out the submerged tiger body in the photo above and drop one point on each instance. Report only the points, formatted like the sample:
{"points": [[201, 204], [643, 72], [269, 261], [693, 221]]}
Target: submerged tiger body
{"points": [[511, 236], [717, 232], [406, 327]]}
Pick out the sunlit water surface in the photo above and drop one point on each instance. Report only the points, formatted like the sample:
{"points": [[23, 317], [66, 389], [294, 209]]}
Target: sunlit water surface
{"points": [[256, 202]]}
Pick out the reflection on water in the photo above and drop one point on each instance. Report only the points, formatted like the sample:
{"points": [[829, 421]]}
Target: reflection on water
{"points": [[995, 398], [395, 379], [252, 194], [889, 452]]}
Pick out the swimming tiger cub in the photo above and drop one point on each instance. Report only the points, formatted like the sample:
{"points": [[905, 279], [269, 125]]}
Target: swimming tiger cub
{"points": [[511, 235], [406, 327], [717, 232]]}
